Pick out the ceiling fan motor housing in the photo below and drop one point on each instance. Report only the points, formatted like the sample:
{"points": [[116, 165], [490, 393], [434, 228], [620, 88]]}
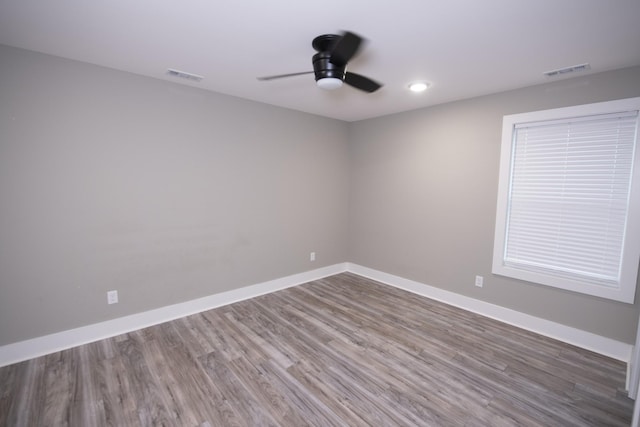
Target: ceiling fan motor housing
{"points": [[324, 68]]}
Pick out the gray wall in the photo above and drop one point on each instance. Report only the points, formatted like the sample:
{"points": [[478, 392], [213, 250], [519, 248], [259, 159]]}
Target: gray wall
{"points": [[166, 193], [423, 199]]}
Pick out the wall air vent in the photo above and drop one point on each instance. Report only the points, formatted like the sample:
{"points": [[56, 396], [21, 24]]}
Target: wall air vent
{"points": [[184, 75], [562, 71]]}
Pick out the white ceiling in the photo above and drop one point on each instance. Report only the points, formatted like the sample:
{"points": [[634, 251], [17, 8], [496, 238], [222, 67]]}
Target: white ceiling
{"points": [[465, 48]]}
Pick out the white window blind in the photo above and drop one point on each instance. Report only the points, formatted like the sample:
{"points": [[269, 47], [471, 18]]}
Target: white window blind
{"points": [[570, 183], [569, 199]]}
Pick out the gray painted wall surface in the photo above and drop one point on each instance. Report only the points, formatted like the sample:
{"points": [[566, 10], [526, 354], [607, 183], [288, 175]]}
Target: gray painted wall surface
{"points": [[166, 193], [423, 199]]}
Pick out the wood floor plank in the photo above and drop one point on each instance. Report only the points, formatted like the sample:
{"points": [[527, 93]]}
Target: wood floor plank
{"points": [[233, 393], [118, 400], [343, 350], [222, 341], [27, 406], [143, 387]]}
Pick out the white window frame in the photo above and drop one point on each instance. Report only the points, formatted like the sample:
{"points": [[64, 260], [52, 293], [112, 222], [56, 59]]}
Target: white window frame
{"points": [[624, 289]]}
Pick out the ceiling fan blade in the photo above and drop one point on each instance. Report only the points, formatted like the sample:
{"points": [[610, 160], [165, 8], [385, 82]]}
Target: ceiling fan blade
{"points": [[280, 76], [345, 49], [361, 82]]}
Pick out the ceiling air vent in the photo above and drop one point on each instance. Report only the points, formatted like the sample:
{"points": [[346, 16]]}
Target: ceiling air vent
{"points": [[184, 75], [572, 69]]}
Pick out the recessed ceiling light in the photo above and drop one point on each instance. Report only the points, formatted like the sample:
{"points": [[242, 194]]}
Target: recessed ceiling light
{"points": [[418, 86]]}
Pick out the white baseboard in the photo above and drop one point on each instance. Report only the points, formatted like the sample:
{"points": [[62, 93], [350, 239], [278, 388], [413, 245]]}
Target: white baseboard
{"points": [[587, 340], [28, 349]]}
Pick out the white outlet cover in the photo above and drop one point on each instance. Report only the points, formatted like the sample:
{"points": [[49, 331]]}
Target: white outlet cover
{"points": [[112, 297]]}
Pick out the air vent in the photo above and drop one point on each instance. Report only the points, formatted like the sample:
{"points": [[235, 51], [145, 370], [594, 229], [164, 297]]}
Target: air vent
{"points": [[561, 71], [184, 75]]}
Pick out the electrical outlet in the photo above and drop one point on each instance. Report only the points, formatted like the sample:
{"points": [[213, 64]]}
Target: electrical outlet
{"points": [[479, 281], [112, 297], [312, 256]]}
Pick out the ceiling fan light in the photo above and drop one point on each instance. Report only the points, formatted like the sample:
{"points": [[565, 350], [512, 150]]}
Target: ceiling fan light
{"points": [[329, 83]]}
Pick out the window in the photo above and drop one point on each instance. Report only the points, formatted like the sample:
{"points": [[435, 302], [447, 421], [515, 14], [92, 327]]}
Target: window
{"points": [[569, 199]]}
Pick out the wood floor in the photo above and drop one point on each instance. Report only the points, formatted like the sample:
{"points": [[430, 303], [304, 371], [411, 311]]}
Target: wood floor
{"points": [[342, 351]]}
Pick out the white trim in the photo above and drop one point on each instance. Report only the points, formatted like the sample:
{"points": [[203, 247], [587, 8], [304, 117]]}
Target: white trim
{"points": [[635, 421], [587, 340], [28, 349], [625, 288], [634, 370], [629, 384]]}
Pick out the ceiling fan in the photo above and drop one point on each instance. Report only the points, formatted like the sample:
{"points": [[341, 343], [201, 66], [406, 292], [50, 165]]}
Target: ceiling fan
{"points": [[330, 63]]}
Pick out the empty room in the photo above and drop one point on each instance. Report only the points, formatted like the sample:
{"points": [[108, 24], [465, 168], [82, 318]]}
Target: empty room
{"points": [[339, 214]]}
